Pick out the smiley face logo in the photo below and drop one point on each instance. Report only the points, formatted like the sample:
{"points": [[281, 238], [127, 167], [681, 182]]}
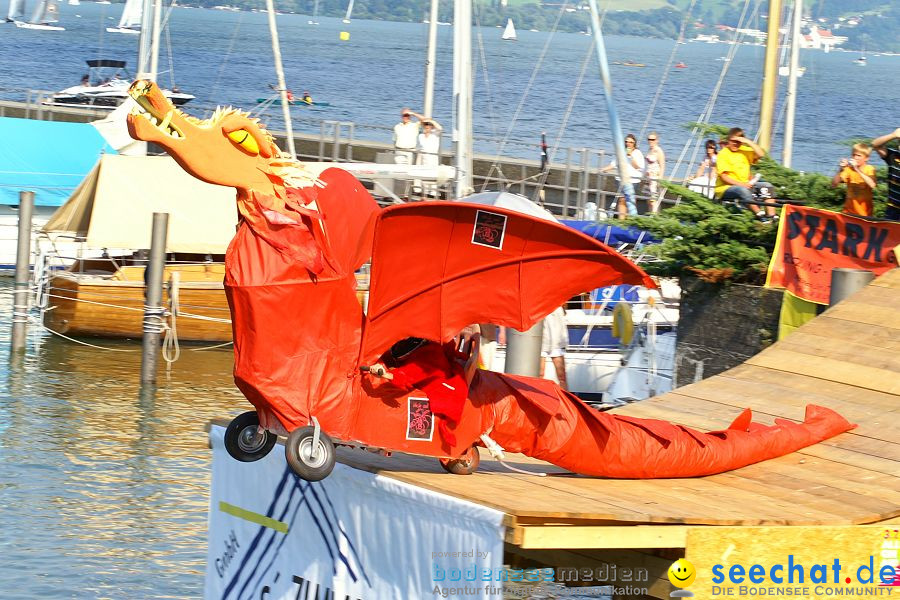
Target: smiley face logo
{"points": [[682, 573]]}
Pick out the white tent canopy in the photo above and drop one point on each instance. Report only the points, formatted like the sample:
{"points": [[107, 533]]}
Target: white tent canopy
{"points": [[113, 207]]}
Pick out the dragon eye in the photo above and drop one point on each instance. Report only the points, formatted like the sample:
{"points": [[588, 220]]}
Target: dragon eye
{"points": [[242, 138]]}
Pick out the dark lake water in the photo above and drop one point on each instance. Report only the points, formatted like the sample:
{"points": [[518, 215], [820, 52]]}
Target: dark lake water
{"points": [[225, 58]]}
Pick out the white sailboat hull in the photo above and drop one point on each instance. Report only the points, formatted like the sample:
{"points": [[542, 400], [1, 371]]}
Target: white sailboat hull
{"points": [[42, 26], [128, 30]]}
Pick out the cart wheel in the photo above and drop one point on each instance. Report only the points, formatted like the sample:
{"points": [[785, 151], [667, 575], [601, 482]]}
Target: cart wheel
{"points": [[464, 465], [244, 441], [308, 464]]}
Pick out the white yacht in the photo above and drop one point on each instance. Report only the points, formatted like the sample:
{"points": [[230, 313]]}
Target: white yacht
{"points": [[106, 86]]}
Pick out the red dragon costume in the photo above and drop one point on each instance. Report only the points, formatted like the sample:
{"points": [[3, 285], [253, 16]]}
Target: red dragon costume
{"points": [[301, 336]]}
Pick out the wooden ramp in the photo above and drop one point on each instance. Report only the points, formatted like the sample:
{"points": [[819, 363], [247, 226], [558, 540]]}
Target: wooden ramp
{"points": [[847, 359]]}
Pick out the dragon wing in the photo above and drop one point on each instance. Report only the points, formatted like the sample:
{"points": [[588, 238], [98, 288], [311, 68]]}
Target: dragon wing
{"points": [[348, 214], [440, 266]]}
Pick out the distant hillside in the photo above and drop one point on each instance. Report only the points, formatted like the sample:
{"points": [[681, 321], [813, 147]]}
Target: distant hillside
{"points": [[868, 24]]}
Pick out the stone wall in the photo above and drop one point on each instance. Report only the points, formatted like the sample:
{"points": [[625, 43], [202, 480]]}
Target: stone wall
{"points": [[721, 326]]}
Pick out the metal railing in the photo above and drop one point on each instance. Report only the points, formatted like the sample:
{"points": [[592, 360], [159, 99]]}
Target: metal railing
{"points": [[573, 188]]}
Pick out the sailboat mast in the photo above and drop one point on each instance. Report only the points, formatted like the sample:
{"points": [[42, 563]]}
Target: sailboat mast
{"points": [[144, 43], [279, 72], [614, 125], [792, 84], [462, 96], [770, 77], [154, 44], [430, 58]]}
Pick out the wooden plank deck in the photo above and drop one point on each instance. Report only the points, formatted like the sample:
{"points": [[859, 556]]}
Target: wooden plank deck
{"points": [[846, 359]]}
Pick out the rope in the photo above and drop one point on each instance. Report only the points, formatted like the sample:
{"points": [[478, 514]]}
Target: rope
{"points": [[71, 339], [171, 351], [706, 113], [214, 91], [668, 70], [95, 302], [521, 105], [565, 120], [204, 348], [154, 319]]}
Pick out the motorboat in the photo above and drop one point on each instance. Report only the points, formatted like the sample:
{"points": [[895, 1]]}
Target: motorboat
{"points": [[106, 86]]}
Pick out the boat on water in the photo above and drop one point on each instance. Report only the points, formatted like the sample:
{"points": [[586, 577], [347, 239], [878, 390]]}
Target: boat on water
{"points": [[509, 32], [349, 12], [631, 63], [293, 102], [861, 61], [130, 21], [106, 86], [112, 211], [315, 15], [681, 65], [45, 15]]}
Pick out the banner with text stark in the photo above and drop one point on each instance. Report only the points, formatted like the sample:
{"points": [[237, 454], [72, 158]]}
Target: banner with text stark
{"points": [[353, 535], [811, 242]]}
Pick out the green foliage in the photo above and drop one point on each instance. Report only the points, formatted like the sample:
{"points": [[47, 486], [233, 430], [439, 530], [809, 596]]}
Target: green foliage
{"points": [[706, 237], [814, 189], [720, 242], [707, 130]]}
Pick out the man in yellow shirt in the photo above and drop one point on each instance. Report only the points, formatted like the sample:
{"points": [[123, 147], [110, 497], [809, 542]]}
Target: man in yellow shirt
{"points": [[733, 172]]}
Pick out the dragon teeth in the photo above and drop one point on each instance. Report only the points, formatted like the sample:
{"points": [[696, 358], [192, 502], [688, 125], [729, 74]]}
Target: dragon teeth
{"points": [[165, 122]]}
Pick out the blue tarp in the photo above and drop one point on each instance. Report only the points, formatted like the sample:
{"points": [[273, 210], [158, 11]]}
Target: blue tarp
{"points": [[610, 234], [49, 158]]}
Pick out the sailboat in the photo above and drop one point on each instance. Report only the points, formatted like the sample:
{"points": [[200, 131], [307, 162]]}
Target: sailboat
{"points": [[346, 18], [16, 11], [44, 16], [130, 22], [315, 14], [510, 32]]}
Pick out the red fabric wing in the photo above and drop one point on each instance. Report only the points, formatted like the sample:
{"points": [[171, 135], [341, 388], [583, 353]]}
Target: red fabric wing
{"points": [[348, 216], [439, 266]]}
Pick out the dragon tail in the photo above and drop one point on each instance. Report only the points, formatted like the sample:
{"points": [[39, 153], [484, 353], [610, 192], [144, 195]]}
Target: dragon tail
{"points": [[536, 418]]}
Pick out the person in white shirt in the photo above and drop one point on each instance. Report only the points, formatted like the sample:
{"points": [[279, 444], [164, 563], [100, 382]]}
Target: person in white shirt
{"points": [[635, 170], [555, 338], [429, 152], [406, 134]]}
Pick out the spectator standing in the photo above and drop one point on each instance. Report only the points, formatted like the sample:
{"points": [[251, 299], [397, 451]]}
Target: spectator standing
{"points": [[892, 157], [429, 147], [635, 170], [860, 180], [733, 172], [656, 169], [406, 136], [554, 340]]}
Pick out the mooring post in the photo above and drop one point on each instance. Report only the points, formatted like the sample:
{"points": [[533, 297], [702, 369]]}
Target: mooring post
{"points": [[846, 282], [523, 351], [153, 310], [23, 260]]}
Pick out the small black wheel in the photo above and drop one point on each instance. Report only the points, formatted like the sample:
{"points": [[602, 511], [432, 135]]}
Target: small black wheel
{"points": [[244, 441], [464, 465], [312, 463]]}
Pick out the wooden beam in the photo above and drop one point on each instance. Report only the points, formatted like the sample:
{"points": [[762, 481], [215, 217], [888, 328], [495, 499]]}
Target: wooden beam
{"points": [[541, 537]]}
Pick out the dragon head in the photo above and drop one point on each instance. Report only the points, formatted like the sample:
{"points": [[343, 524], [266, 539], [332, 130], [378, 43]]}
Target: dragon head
{"points": [[229, 148]]}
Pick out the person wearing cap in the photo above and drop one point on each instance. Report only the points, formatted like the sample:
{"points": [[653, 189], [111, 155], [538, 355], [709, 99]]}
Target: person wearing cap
{"points": [[406, 136], [429, 148]]}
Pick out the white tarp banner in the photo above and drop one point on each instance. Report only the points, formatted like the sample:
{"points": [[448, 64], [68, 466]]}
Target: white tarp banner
{"points": [[353, 535]]}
